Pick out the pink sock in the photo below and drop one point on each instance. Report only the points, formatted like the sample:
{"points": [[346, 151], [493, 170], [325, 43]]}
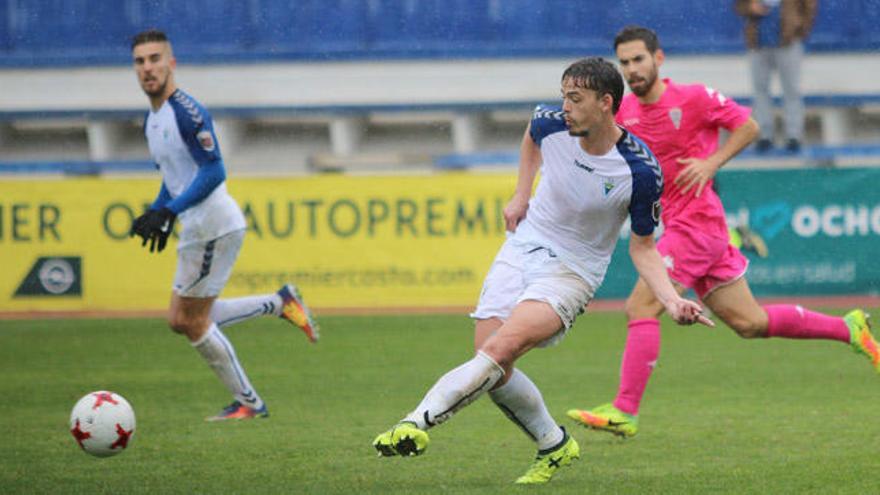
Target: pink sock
{"points": [[639, 359], [794, 322]]}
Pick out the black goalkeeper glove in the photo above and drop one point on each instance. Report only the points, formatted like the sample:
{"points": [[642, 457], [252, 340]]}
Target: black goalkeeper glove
{"points": [[154, 226], [139, 227]]}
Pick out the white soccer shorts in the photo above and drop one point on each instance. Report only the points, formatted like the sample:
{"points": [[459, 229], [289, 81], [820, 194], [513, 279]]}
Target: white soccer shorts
{"points": [[520, 274], [203, 268]]}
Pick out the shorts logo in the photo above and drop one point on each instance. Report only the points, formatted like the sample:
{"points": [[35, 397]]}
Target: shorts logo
{"points": [[206, 140], [53, 276]]}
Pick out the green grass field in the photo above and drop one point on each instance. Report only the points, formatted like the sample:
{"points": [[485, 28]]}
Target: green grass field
{"points": [[721, 415]]}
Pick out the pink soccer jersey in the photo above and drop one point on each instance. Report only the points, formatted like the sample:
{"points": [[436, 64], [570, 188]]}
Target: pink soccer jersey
{"points": [[684, 123]]}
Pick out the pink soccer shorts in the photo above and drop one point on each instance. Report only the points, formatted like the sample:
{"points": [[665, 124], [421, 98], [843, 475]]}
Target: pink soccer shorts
{"points": [[700, 262]]}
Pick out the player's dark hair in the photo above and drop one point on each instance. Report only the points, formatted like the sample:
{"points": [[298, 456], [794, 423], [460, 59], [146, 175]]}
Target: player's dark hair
{"points": [[148, 36], [599, 75], [638, 33]]}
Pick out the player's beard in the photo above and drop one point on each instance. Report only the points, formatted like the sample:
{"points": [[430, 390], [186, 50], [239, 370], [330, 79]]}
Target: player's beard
{"points": [[583, 132], [160, 90], [649, 82]]}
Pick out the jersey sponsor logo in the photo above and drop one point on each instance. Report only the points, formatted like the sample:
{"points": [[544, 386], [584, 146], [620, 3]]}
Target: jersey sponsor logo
{"points": [[581, 165], [675, 117], [630, 122], [206, 140]]}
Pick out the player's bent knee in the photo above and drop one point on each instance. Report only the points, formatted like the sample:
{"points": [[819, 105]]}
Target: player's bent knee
{"points": [[638, 310], [748, 329], [185, 326], [176, 325], [501, 352]]}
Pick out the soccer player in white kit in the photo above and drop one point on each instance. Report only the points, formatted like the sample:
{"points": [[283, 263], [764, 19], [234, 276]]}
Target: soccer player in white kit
{"points": [[593, 175], [181, 139]]}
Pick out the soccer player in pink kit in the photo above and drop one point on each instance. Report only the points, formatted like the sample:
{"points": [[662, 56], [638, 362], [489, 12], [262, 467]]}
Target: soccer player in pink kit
{"points": [[680, 123]]}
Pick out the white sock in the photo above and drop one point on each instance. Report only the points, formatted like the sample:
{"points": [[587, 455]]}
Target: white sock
{"points": [[230, 311], [456, 389], [522, 402], [218, 352]]}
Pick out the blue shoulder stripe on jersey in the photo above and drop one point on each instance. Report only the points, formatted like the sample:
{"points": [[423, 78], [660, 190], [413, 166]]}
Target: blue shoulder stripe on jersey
{"points": [[644, 206], [196, 127], [193, 109], [546, 120], [197, 131]]}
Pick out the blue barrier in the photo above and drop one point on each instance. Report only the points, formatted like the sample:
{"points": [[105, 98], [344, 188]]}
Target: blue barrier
{"points": [[250, 111], [451, 161], [75, 168], [809, 154], [81, 32]]}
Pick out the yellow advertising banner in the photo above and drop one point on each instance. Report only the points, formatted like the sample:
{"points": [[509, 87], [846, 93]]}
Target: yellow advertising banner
{"points": [[348, 242]]}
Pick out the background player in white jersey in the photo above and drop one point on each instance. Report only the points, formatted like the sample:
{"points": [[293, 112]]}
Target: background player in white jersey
{"points": [[594, 174], [181, 140]]}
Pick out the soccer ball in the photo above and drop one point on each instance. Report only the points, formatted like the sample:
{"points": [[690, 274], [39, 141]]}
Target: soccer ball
{"points": [[102, 423]]}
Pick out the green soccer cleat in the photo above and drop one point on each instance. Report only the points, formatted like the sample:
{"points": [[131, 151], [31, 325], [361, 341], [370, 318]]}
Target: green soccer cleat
{"points": [[860, 337], [745, 239], [403, 439], [607, 418], [549, 461]]}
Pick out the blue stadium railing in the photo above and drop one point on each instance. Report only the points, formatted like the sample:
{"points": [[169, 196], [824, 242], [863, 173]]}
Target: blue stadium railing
{"points": [[812, 155], [40, 33]]}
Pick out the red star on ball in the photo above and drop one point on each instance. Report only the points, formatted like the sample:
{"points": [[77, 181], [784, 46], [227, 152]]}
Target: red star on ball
{"points": [[122, 437], [80, 435], [102, 397]]}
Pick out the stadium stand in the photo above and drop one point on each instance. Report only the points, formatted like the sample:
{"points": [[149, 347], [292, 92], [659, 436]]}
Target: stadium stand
{"points": [[294, 90]]}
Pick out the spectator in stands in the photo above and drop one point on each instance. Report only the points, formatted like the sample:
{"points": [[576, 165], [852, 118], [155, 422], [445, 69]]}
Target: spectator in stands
{"points": [[594, 176], [681, 123], [775, 31], [182, 143]]}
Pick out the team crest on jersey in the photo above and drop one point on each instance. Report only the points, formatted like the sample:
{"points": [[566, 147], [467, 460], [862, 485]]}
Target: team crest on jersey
{"points": [[206, 140], [675, 116], [609, 185]]}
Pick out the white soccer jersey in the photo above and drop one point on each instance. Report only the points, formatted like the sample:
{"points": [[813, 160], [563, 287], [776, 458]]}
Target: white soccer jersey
{"points": [[583, 200], [180, 136]]}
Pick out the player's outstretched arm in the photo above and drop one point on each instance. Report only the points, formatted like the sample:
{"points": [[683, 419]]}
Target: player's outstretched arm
{"points": [[650, 266], [529, 163]]}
